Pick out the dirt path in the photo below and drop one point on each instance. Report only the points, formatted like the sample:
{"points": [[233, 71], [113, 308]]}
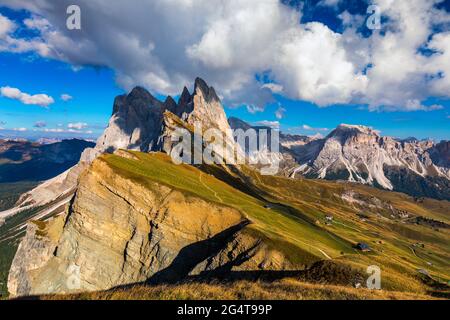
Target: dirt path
{"points": [[207, 187], [324, 253]]}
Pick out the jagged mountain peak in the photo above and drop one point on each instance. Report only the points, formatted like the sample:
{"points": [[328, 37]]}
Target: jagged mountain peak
{"points": [[140, 93], [349, 129], [185, 98], [138, 117], [209, 93], [360, 154], [170, 103], [139, 99], [236, 123], [409, 140]]}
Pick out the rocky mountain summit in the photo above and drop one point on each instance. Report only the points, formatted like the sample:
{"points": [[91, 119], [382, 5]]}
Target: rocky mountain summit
{"points": [[361, 154], [139, 120]]}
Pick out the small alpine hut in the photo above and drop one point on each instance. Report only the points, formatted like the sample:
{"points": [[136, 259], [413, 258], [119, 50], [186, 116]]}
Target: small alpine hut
{"points": [[363, 247]]}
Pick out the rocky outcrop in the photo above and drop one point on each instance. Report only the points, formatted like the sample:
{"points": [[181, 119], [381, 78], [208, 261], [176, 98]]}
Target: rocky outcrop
{"points": [[118, 231]]}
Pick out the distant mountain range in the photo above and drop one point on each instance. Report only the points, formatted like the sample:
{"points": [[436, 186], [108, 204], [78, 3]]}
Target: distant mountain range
{"points": [[21, 160], [360, 154]]}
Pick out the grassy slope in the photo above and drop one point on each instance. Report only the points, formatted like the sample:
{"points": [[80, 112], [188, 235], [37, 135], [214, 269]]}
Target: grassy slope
{"points": [[286, 289], [391, 239], [279, 224], [296, 225]]}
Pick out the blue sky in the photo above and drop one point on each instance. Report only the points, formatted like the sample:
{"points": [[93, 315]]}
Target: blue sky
{"points": [[93, 90]]}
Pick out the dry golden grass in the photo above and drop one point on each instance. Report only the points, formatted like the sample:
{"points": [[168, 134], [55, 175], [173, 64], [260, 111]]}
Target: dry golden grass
{"points": [[287, 289]]}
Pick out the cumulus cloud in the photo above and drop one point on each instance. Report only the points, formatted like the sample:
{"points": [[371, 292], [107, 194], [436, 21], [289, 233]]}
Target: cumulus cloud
{"points": [[414, 105], [313, 66], [168, 43], [10, 43], [77, 125], [42, 100], [309, 128], [6, 26], [273, 87], [66, 97]]}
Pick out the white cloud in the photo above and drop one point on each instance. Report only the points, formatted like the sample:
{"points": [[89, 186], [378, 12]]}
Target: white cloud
{"points": [[61, 130], [37, 23], [314, 66], [20, 129], [6, 26], [415, 105], [275, 88], [10, 43], [228, 42], [66, 97], [270, 124], [77, 125], [42, 100], [279, 113]]}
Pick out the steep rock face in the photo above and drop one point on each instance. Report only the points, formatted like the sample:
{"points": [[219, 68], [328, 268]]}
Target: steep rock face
{"points": [[440, 154], [135, 123], [33, 253], [207, 108], [118, 231], [360, 154]]}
